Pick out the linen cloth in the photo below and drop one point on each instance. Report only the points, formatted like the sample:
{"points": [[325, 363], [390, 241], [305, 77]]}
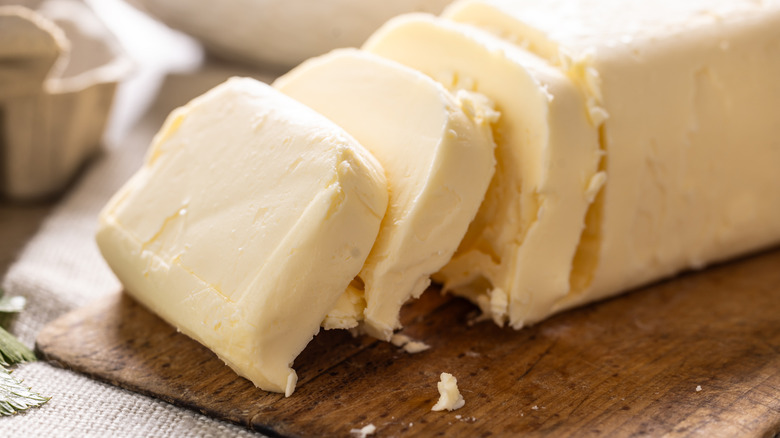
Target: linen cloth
{"points": [[61, 268]]}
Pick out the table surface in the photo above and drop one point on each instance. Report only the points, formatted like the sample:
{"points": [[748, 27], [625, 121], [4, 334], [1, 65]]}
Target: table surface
{"points": [[696, 355]]}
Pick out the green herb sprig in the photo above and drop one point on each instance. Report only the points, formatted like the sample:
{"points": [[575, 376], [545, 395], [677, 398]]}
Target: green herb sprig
{"points": [[12, 351], [14, 396]]}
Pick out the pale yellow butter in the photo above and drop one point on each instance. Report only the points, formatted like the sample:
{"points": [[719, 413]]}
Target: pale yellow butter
{"points": [[249, 218], [689, 97], [516, 258], [633, 140], [437, 151], [450, 398]]}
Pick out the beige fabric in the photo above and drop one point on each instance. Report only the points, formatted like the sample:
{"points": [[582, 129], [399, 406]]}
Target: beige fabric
{"points": [[81, 407], [61, 269]]}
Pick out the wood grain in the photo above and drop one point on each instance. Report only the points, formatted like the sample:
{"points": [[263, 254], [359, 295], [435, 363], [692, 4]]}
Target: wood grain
{"points": [[629, 366]]}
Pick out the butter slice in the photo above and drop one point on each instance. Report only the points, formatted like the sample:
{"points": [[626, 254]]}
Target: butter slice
{"points": [[516, 259], [437, 151], [247, 221], [691, 99]]}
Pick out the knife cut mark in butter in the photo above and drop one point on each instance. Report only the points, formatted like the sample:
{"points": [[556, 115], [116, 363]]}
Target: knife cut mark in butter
{"points": [[437, 151], [515, 260], [248, 220]]}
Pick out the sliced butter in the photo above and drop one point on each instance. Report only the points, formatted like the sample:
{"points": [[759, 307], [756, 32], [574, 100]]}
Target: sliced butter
{"points": [[249, 218], [437, 152], [516, 259], [690, 98]]}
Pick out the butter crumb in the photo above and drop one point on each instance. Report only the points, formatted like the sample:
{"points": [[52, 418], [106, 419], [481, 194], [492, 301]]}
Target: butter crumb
{"points": [[698, 388], [449, 396], [364, 432], [416, 347], [408, 344]]}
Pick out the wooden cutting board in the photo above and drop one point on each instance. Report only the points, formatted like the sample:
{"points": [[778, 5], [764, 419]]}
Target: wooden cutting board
{"points": [[695, 356]]}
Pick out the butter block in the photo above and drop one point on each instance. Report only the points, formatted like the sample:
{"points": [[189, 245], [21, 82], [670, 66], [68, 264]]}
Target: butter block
{"points": [[516, 260], [249, 218], [689, 99], [437, 152]]}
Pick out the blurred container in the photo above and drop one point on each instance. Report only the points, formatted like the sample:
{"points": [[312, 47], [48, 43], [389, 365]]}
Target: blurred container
{"points": [[280, 33], [59, 69]]}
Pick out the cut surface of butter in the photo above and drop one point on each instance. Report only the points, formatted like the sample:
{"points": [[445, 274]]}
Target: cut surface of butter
{"points": [[249, 218], [690, 103], [516, 259], [437, 152]]}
